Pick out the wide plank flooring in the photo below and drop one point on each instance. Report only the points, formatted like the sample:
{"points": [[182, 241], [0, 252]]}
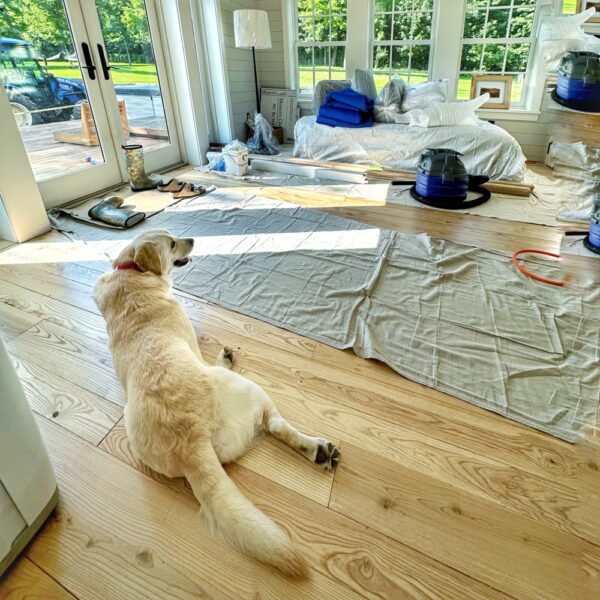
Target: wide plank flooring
{"points": [[433, 498]]}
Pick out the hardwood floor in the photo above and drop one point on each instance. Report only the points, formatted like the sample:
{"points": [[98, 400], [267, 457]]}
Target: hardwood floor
{"points": [[433, 497]]}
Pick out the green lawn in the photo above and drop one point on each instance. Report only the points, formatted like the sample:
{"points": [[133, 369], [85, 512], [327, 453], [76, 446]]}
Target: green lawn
{"points": [[121, 72], [464, 83], [569, 7]]}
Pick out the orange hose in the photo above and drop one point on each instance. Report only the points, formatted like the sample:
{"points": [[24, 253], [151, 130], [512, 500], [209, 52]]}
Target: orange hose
{"points": [[533, 275]]}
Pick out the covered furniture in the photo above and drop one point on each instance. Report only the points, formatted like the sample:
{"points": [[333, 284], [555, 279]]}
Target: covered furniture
{"points": [[487, 149]]}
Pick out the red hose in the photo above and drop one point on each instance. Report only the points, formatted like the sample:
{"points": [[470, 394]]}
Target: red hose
{"points": [[533, 275]]}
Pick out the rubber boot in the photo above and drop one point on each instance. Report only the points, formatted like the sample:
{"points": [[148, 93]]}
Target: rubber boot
{"points": [[108, 211], [134, 157]]}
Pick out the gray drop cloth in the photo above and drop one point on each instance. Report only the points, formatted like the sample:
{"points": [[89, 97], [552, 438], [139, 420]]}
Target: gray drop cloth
{"points": [[453, 317]]}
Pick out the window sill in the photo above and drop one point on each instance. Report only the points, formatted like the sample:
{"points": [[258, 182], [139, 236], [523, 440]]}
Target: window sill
{"points": [[515, 114]]}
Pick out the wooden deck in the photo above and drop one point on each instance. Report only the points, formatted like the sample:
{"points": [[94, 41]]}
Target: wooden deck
{"points": [[433, 498], [50, 158]]}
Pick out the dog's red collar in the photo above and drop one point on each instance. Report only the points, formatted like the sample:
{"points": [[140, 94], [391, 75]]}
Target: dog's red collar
{"points": [[127, 265]]}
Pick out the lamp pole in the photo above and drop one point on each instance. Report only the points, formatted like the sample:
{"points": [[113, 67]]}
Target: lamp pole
{"points": [[256, 81]]}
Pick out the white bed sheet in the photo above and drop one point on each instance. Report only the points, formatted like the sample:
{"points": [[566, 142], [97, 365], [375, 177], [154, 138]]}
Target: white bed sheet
{"points": [[487, 149]]}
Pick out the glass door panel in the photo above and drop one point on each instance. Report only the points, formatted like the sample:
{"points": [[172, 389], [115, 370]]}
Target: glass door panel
{"points": [[48, 91], [130, 54], [132, 75]]}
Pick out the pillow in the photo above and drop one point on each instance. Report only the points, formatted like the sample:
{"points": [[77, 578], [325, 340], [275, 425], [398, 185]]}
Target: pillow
{"points": [[421, 94], [452, 113], [323, 88], [561, 28], [363, 82], [387, 108]]}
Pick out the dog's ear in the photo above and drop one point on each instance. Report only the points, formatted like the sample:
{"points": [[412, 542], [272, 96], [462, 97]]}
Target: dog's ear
{"points": [[148, 257]]}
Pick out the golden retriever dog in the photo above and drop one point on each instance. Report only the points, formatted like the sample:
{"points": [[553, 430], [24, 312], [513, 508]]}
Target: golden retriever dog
{"points": [[185, 417]]}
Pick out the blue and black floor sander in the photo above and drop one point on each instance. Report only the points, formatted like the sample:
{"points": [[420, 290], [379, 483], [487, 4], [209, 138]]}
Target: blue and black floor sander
{"points": [[443, 181], [579, 82], [592, 240]]}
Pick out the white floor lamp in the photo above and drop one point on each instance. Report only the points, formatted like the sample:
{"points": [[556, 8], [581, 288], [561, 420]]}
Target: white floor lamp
{"points": [[251, 28]]}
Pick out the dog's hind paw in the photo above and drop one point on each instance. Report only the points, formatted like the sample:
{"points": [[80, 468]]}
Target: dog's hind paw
{"points": [[225, 358], [327, 456]]}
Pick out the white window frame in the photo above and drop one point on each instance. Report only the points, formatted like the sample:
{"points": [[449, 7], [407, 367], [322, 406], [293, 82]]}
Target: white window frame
{"points": [[507, 41], [316, 44], [445, 57], [408, 43]]}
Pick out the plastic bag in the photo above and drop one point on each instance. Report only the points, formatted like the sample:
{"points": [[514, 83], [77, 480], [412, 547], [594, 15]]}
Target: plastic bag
{"points": [[263, 141], [571, 155], [422, 94], [389, 100]]}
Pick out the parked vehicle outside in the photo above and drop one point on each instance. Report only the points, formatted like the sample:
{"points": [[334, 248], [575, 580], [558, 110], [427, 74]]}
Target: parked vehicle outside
{"points": [[36, 96]]}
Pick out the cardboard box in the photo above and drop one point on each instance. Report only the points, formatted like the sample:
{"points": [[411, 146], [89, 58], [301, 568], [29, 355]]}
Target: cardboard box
{"points": [[280, 108]]}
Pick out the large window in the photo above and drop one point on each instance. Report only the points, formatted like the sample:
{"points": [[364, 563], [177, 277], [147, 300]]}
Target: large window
{"points": [[497, 39], [402, 40], [321, 41]]}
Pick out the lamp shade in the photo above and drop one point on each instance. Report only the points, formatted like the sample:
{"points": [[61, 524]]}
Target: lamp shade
{"points": [[251, 28]]}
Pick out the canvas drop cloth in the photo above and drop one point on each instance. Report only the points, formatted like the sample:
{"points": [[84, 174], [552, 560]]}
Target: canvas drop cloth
{"points": [[456, 318]]}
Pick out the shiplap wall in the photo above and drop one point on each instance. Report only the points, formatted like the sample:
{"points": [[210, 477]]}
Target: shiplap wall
{"points": [[270, 62], [239, 68]]}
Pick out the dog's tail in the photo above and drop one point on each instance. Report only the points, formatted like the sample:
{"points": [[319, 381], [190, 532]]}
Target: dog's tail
{"points": [[235, 519]]}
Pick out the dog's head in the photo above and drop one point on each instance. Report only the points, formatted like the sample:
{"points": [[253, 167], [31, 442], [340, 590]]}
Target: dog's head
{"points": [[156, 251]]}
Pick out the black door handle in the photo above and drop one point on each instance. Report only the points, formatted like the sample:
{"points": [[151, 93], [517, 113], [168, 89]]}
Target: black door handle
{"points": [[87, 57], [105, 66]]}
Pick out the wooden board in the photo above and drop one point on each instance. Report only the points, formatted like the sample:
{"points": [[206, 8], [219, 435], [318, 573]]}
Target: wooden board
{"points": [[119, 534], [26, 581], [520, 557]]}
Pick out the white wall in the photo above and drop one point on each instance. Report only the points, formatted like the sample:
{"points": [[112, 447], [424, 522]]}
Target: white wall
{"points": [[240, 71], [271, 62]]}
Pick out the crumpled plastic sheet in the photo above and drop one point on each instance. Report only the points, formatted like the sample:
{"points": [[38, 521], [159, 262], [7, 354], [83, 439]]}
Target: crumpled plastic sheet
{"points": [[487, 149], [387, 108], [263, 141]]}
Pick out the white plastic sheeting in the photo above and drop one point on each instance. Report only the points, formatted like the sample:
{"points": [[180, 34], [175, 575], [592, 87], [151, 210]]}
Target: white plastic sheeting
{"points": [[487, 149]]}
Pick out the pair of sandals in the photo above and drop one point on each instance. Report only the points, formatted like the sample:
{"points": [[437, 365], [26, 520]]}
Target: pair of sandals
{"points": [[181, 189]]}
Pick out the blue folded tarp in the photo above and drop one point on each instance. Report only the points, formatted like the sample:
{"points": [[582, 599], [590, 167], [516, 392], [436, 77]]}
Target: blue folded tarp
{"points": [[351, 98], [346, 108], [368, 122], [339, 112]]}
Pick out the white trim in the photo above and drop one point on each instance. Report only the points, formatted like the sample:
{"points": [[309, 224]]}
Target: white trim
{"points": [[289, 59], [211, 55], [182, 53], [514, 114]]}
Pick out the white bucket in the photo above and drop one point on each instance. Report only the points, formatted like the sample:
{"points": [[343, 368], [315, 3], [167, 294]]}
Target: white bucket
{"points": [[236, 162]]}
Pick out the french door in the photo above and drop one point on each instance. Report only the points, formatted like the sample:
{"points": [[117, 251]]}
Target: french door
{"points": [[84, 77]]}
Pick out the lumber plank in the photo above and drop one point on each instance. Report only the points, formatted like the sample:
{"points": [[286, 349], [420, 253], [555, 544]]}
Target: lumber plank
{"points": [[521, 557], [26, 581], [86, 414], [119, 534], [269, 458]]}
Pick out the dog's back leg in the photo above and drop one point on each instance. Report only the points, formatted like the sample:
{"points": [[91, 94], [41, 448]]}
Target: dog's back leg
{"points": [[318, 450]]}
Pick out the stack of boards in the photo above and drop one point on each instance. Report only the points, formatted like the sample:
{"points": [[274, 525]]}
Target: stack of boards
{"points": [[374, 174]]}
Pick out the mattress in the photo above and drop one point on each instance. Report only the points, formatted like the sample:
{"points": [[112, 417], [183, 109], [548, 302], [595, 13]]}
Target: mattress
{"points": [[487, 149]]}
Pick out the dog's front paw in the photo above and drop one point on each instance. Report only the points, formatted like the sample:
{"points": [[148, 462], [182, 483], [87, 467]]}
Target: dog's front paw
{"points": [[327, 456]]}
